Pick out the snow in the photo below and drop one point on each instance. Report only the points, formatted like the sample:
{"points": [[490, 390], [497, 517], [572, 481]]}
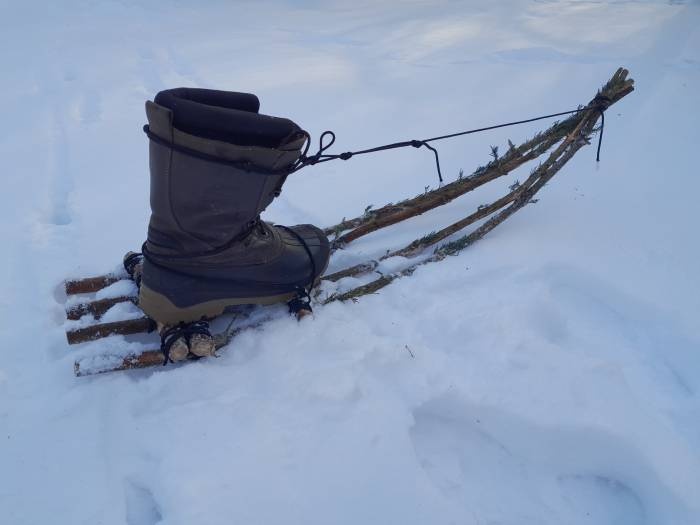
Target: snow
{"points": [[549, 374], [120, 288]]}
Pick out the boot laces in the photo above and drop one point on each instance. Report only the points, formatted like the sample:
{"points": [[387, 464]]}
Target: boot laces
{"points": [[256, 228]]}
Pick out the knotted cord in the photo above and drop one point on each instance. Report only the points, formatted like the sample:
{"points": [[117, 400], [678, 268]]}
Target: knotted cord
{"points": [[600, 103]]}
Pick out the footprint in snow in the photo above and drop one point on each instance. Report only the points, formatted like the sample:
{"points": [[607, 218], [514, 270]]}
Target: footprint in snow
{"points": [[510, 470], [141, 507]]}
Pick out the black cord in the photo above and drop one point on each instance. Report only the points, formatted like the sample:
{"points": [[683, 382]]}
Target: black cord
{"points": [[603, 103], [303, 299], [600, 103]]}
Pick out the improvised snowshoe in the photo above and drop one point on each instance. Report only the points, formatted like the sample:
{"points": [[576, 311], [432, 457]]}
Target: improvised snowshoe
{"points": [[215, 165]]}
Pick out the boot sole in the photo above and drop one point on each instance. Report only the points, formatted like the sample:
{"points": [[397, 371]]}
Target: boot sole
{"points": [[159, 308], [170, 297]]}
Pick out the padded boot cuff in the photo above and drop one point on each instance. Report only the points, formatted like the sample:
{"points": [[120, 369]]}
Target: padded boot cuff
{"points": [[226, 116], [278, 159]]}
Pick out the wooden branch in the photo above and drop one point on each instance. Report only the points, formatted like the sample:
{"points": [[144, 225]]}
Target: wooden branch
{"points": [[90, 284], [98, 331], [615, 89], [97, 308], [392, 214], [353, 271], [419, 245], [530, 149]]}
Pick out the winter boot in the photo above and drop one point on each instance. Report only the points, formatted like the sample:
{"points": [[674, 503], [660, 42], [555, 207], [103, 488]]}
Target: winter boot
{"points": [[216, 164]]}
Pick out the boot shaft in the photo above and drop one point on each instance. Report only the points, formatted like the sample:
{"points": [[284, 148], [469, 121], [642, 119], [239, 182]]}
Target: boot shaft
{"points": [[207, 192]]}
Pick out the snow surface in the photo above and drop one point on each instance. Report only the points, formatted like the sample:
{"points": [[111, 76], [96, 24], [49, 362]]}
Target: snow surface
{"points": [[550, 374]]}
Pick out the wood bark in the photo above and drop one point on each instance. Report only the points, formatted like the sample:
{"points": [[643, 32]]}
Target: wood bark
{"points": [[90, 284], [97, 308], [98, 331]]}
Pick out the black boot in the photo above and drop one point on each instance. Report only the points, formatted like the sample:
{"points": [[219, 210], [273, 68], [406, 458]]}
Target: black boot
{"points": [[216, 164]]}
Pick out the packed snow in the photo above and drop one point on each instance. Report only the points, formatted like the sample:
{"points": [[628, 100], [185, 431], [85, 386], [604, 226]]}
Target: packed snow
{"points": [[549, 374]]}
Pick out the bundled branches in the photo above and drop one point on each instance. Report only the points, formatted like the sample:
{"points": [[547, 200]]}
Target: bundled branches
{"points": [[581, 126], [373, 220]]}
